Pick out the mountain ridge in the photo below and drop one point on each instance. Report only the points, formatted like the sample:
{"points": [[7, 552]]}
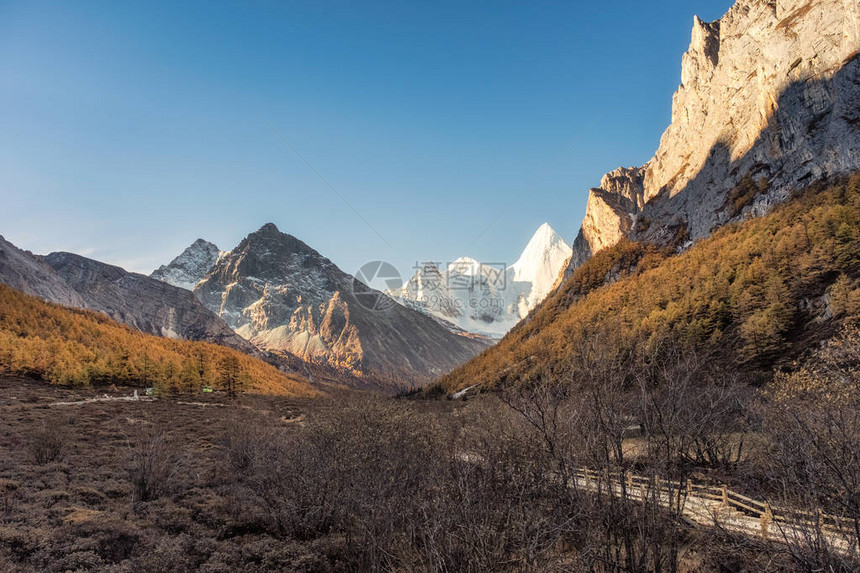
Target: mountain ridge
{"points": [[146, 304], [149, 305], [769, 101], [282, 295], [24, 272]]}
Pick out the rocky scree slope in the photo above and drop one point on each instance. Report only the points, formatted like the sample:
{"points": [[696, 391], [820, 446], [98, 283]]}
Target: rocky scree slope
{"points": [[149, 305], [22, 271]]}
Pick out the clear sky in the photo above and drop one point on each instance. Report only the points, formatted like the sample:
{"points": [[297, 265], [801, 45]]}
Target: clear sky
{"points": [[127, 130]]}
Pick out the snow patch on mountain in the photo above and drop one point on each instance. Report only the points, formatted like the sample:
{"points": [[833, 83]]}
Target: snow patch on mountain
{"points": [[189, 268]]}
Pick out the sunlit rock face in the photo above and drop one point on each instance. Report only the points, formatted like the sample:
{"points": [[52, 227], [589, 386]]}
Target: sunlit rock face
{"points": [[283, 296], [771, 93]]}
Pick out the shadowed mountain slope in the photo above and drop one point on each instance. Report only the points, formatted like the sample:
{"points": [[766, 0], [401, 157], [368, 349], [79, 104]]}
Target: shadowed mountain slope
{"points": [[149, 305]]}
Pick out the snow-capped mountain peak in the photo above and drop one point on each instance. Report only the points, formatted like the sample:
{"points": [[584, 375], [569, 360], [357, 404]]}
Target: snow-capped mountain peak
{"points": [[466, 266], [540, 263], [543, 244], [189, 268], [489, 299]]}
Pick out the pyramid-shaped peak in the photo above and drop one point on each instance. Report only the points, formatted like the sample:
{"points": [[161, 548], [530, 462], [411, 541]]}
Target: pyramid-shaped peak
{"points": [[270, 236], [545, 245], [544, 236], [545, 229], [269, 229], [197, 248]]}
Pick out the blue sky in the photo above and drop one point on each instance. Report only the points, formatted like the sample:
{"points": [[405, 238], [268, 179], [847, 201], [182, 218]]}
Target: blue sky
{"points": [[129, 130]]}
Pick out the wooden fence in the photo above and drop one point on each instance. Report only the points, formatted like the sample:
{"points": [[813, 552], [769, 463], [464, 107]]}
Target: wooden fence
{"points": [[766, 513]]}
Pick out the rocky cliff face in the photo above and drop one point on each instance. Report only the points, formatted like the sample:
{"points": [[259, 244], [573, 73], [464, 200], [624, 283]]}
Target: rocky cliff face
{"points": [[769, 101], [611, 212], [151, 306], [282, 295], [189, 268]]}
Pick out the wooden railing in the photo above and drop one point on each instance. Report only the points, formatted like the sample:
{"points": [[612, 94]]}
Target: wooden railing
{"points": [[762, 510]]}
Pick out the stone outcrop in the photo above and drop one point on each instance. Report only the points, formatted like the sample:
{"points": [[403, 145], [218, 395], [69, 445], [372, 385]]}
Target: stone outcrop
{"points": [[770, 93], [611, 212]]}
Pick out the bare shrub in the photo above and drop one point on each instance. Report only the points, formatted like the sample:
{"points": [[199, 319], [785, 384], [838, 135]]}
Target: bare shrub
{"points": [[152, 466], [661, 396], [292, 478], [694, 415], [47, 442], [812, 419], [406, 491]]}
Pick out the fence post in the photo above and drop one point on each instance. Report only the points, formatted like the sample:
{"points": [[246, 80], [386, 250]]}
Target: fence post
{"points": [[689, 487], [766, 518], [725, 492], [629, 480]]}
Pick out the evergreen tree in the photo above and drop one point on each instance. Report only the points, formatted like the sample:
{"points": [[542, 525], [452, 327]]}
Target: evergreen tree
{"points": [[231, 378]]}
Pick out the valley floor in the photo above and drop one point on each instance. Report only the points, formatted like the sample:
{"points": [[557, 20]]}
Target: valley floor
{"points": [[92, 479], [71, 462]]}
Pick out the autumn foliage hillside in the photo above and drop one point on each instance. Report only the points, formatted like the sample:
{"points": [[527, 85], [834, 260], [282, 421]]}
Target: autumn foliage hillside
{"points": [[754, 295], [76, 347]]}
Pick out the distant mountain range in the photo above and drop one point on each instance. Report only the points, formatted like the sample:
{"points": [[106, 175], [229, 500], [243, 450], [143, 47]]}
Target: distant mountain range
{"points": [[285, 297], [271, 296], [151, 306], [465, 296], [488, 298]]}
